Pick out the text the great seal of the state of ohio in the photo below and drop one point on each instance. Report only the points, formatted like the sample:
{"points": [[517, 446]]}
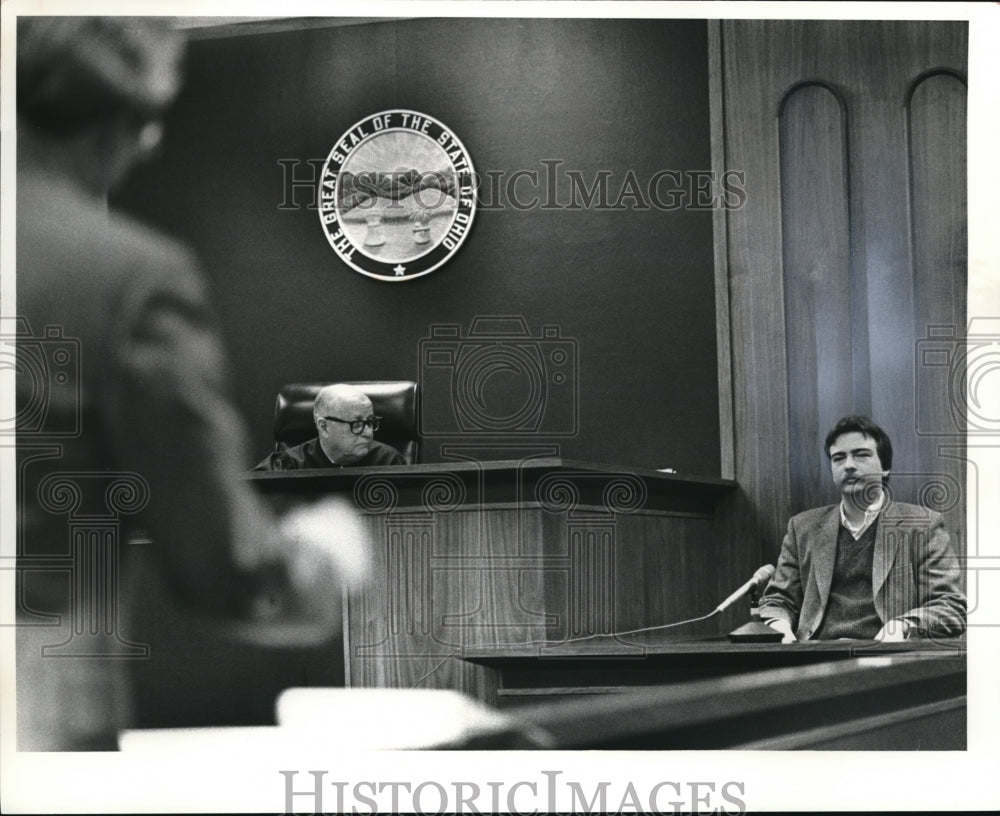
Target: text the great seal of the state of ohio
{"points": [[397, 195]]}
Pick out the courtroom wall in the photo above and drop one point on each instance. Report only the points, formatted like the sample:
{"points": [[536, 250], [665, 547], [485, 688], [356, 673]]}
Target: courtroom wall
{"points": [[630, 285]]}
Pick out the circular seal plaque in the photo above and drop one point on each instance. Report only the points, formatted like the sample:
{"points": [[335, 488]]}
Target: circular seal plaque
{"points": [[397, 195]]}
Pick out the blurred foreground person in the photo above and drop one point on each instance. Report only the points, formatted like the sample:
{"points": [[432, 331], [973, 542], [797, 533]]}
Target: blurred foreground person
{"points": [[123, 410]]}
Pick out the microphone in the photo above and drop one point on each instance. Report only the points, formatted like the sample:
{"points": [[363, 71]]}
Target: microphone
{"points": [[760, 578]]}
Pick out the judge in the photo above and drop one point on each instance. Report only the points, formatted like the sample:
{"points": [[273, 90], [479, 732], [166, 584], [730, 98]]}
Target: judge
{"points": [[345, 427]]}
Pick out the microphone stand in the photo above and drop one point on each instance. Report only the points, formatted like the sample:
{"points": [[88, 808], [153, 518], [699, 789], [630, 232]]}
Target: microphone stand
{"points": [[756, 631]]}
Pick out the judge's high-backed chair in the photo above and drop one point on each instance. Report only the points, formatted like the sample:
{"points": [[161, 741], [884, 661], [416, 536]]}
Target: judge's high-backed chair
{"points": [[393, 400]]}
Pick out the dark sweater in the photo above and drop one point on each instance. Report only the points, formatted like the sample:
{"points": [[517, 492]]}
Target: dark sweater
{"points": [[310, 455], [850, 610]]}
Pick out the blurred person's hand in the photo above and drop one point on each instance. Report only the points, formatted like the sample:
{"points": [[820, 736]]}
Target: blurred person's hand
{"points": [[328, 540], [327, 554]]}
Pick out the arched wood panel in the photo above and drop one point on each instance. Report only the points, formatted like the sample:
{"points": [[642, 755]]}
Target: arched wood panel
{"points": [[816, 254], [936, 129]]}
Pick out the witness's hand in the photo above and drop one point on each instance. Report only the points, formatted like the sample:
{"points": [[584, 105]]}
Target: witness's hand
{"points": [[894, 631], [783, 626]]}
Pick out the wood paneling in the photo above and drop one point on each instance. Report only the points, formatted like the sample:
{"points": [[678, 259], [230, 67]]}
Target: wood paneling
{"points": [[816, 261], [666, 574], [540, 553], [449, 582], [727, 442], [936, 126], [444, 582], [760, 416], [850, 246]]}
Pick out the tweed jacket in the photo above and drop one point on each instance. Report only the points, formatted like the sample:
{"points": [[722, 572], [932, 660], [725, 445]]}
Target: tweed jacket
{"points": [[915, 572]]}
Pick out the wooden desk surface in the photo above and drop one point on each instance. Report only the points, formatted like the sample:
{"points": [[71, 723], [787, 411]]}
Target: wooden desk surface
{"points": [[547, 463], [892, 701], [550, 482], [683, 651], [526, 675], [473, 553]]}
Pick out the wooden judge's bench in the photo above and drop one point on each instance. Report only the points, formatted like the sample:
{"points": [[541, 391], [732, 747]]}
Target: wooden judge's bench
{"points": [[546, 587]]}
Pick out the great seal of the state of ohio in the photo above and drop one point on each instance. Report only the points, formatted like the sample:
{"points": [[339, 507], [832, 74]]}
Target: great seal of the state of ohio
{"points": [[397, 195]]}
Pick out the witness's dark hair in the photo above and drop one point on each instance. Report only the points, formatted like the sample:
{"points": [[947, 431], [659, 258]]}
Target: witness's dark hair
{"points": [[863, 425]]}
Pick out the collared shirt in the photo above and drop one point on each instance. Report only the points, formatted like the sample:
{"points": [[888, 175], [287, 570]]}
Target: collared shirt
{"points": [[871, 513]]}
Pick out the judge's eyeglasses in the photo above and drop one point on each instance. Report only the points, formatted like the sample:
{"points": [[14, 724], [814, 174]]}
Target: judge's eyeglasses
{"points": [[358, 425]]}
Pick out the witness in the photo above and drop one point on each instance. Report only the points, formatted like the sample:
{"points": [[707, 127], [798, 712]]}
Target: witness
{"points": [[868, 567]]}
